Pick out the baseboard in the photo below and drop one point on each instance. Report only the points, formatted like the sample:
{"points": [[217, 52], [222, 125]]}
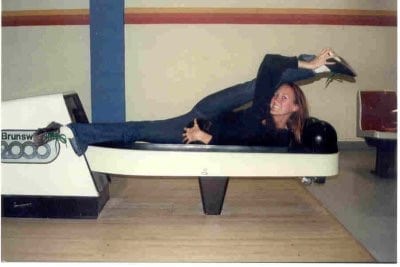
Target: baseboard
{"points": [[75, 207], [354, 145]]}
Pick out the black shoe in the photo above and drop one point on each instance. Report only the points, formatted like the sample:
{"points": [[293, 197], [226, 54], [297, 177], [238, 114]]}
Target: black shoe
{"points": [[41, 135], [340, 67], [75, 146]]}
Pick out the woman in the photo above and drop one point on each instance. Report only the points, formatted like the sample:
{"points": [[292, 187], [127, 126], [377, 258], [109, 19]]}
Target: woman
{"points": [[275, 118]]}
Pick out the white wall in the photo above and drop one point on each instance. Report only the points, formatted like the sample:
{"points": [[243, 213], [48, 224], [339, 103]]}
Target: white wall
{"points": [[38, 60], [170, 67], [14, 5]]}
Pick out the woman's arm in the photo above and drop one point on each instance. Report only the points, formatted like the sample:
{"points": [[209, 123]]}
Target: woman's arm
{"points": [[268, 76], [196, 134], [319, 60]]}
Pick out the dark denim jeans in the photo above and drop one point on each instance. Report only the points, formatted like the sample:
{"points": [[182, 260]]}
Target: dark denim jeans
{"points": [[170, 130], [162, 131]]}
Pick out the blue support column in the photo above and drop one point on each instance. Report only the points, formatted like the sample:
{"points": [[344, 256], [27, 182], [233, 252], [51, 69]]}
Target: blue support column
{"points": [[107, 56]]}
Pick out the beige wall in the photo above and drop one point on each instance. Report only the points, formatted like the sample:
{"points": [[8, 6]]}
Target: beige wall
{"points": [[43, 60], [170, 67], [46, 60], [42, 4]]}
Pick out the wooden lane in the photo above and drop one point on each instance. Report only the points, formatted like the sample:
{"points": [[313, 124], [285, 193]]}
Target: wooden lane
{"points": [[153, 220]]}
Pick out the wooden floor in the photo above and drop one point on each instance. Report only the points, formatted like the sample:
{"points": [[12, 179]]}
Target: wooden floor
{"points": [[161, 220]]}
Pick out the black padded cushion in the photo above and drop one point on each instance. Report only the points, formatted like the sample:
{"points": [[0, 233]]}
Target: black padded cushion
{"points": [[318, 137]]}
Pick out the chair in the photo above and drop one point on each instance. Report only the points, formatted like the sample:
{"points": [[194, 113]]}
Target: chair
{"points": [[377, 124]]}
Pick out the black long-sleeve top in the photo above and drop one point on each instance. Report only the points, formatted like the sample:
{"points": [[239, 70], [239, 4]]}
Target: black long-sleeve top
{"points": [[245, 127]]}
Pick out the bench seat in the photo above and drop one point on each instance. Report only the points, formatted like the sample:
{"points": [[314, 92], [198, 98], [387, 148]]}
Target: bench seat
{"points": [[377, 124]]}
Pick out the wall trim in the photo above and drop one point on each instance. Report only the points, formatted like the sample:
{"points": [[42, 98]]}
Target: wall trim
{"points": [[299, 16], [259, 16], [45, 17]]}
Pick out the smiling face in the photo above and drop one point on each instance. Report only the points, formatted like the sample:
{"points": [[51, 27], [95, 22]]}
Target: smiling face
{"points": [[283, 102]]}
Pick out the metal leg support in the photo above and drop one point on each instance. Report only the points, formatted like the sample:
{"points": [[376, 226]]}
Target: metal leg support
{"points": [[385, 164], [213, 191]]}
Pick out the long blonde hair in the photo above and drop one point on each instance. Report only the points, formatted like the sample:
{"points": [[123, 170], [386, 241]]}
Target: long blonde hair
{"points": [[297, 119]]}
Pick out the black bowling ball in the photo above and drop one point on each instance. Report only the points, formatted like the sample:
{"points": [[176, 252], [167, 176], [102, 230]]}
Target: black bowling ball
{"points": [[319, 136]]}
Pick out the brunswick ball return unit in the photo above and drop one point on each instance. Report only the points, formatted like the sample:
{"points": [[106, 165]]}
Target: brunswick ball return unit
{"points": [[52, 182]]}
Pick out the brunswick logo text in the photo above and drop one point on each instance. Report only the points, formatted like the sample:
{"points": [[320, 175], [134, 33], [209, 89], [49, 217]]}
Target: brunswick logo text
{"points": [[17, 147]]}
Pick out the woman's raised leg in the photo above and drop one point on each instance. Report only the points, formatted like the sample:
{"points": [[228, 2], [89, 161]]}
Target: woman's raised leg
{"points": [[161, 131], [225, 100]]}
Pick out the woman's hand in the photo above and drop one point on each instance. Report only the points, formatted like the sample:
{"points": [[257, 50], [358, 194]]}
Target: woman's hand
{"points": [[195, 134], [319, 60]]}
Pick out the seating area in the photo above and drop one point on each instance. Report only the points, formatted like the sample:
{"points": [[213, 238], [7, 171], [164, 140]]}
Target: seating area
{"points": [[377, 124]]}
